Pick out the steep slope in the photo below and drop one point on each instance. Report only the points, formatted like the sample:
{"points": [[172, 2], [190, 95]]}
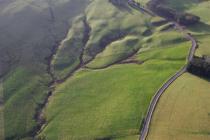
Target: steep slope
{"points": [[46, 22], [78, 70], [108, 96], [30, 31], [69, 59]]}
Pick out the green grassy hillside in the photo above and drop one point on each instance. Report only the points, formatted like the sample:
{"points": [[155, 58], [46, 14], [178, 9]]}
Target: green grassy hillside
{"points": [[21, 96], [68, 56], [124, 62], [107, 103], [29, 31], [115, 52], [103, 62], [30, 28], [201, 31], [183, 111]]}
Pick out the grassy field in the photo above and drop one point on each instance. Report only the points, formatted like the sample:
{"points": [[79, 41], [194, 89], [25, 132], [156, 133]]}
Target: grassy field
{"points": [[21, 96], [183, 112], [116, 51], [142, 2], [93, 104], [31, 28], [106, 30], [110, 103], [204, 48], [116, 31], [202, 30], [107, 103], [180, 5], [165, 53], [29, 31]]}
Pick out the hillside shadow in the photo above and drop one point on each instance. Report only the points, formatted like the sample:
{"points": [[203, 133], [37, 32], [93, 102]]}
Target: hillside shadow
{"points": [[200, 76], [180, 5], [122, 5], [201, 27]]}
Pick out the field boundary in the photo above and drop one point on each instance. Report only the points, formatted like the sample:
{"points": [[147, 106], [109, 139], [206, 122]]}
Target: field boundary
{"points": [[146, 124], [153, 103], [145, 130]]}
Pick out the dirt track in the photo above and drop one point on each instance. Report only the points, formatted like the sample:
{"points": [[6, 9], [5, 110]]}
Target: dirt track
{"points": [[158, 94]]}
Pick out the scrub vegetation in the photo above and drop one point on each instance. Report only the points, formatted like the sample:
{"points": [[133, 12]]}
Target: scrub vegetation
{"points": [[30, 30]]}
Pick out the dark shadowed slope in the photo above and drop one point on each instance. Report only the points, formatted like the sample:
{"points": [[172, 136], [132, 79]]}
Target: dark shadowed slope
{"points": [[30, 29]]}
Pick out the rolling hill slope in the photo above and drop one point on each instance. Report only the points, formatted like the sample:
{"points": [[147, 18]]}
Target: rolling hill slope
{"points": [[182, 112], [29, 31], [105, 97], [86, 69]]}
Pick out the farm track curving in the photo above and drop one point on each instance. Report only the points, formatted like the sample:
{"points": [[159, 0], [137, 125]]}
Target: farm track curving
{"points": [[145, 130], [147, 121]]}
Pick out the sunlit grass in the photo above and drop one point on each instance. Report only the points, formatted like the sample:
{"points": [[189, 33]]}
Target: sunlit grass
{"points": [[183, 111]]}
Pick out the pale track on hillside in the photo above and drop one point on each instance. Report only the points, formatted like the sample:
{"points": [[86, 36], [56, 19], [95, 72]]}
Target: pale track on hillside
{"points": [[80, 66], [159, 93]]}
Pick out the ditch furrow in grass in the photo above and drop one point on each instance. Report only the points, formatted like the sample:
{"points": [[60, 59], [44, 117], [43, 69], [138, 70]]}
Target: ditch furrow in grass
{"points": [[39, 116], [126, 60], [81, 63]]}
